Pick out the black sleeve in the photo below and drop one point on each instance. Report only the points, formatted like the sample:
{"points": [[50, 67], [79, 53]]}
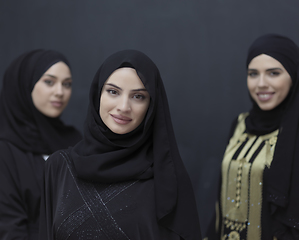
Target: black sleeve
{"points": [[13, 220]]}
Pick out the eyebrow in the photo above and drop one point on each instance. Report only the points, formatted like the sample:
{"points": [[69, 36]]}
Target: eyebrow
{"points": [[135, 90], [52, 76], [269, 69]]}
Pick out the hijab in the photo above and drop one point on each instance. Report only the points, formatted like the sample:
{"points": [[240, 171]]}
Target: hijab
{"points": [[21, 123], [149, 151], [282, 178]]}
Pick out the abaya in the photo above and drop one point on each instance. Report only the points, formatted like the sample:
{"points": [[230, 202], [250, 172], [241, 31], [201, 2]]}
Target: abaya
{"points": [[26, 135], [112, 186], [260, 170]]}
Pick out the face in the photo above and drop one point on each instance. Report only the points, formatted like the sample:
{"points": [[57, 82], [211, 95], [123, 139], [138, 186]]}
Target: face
{"points": [[268, 82], [124, 101], [52, 91]]}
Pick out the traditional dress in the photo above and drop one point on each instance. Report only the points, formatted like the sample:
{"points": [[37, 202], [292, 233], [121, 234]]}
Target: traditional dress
{"points": [[121, 186], [260, 169], [27, 137]]}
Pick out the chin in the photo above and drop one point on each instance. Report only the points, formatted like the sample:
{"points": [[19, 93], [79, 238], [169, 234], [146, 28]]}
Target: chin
{"points": [[266, 108], [53, 115]]}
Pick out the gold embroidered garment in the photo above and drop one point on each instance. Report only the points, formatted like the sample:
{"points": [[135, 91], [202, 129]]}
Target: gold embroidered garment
{"points": [[243, 165]]}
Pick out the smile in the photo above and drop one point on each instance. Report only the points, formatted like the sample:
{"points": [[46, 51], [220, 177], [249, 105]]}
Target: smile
{"points": [[265, 96], [121, 119]]}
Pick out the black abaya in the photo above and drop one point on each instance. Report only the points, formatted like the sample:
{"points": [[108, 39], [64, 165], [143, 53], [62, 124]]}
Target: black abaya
{"points": [[25, 136], [166, 206]]}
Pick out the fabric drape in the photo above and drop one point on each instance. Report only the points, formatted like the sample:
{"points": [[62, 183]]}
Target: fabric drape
{"points": [[148, 151], [21, 123], [283, 176]]}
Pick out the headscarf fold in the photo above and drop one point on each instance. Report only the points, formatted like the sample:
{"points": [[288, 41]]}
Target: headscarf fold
{"points": [[148, 151], [282, 178], [20, 122]]}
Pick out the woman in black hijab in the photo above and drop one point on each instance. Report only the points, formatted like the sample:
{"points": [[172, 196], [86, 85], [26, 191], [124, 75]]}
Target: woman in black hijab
{"points": [[125, 179], [36, 89], [260, 170]]}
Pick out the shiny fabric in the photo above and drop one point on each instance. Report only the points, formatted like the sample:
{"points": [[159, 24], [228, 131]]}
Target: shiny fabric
{"points": [[76, 209]]}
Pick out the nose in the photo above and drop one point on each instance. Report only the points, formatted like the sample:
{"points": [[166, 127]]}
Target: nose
{"points": [[58, 90], [124, 105], [262, 82]]}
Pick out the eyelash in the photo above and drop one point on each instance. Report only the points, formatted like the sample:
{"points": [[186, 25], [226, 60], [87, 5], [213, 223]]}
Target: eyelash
{"points": [[112, 91], [64, 84], [49, 82], [135, 96], [272, 73], [252, 74], [67, 84]]}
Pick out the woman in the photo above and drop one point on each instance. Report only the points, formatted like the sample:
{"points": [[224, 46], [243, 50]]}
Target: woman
{"points": [[260, 169], [36, 89], [125, 179]]}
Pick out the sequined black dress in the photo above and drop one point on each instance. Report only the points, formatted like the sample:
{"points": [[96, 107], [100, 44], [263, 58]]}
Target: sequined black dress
{"points": [[78, 209]]}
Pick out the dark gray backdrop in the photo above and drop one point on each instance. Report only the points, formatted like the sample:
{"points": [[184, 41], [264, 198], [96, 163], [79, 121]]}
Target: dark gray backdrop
{"points": [[199, 46]]}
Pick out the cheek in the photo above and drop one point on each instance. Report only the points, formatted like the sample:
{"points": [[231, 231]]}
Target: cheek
{"points": [[251, 88], [68, 94], [104, 106], [142, 111], [39, 96]]}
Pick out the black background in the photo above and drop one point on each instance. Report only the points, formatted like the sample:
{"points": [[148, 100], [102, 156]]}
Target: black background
{"points": [[199, 46]]}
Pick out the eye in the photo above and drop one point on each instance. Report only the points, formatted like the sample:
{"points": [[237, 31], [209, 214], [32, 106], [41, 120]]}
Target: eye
{"points": [[49, 82], [139, 96], [274, 73], [67, 84], [252, 74], [112, 91]]}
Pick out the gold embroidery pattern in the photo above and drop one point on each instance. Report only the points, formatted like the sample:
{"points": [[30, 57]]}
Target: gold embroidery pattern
{"points": [[234, 225], [242, 182], [234, 236]]}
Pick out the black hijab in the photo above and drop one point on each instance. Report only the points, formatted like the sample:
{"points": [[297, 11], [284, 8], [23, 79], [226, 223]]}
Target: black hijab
{"points": [[282, 179], [148, 151], [20, 122]]}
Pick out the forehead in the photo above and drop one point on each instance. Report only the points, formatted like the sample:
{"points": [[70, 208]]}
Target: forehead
{"points": [[125, 78], [264, 61], [59, 68]]}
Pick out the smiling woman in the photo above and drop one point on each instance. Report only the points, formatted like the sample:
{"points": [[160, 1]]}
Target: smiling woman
{"points": [[125, 179], [124, 101], [36, 89], [268, 82], [260, 169]]}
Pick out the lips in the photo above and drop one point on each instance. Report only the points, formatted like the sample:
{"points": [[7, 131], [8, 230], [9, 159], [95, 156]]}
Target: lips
{"points": [[121, 119], [57, 104], [265, 96]]}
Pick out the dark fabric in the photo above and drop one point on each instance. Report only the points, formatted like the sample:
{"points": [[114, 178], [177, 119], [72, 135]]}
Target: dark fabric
{"points": [[21, 177], [74, 208], [148, 151], [20, 122], [283, 176], [26, 134]]}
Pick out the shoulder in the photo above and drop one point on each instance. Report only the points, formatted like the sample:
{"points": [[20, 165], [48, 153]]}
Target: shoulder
{"points": [[57, 162], [242, 116], [57, 158]]}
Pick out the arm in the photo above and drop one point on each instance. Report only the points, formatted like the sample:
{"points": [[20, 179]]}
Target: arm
{"points": [[13, 212]]}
